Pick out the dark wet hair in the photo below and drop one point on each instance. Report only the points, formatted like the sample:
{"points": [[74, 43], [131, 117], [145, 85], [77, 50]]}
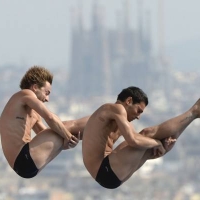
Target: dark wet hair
{"points": [[36, 75], [136, 93]]}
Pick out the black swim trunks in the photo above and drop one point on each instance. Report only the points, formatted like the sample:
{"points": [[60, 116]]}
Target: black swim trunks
{"points": [[106, 177], [24, 165]]}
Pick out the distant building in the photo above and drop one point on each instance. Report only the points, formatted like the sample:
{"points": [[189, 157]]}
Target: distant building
{"points": [[104, 60], [32, 194]]}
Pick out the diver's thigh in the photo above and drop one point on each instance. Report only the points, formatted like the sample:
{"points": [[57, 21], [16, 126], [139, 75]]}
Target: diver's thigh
{"points": [[45, 146], [125, 160]]}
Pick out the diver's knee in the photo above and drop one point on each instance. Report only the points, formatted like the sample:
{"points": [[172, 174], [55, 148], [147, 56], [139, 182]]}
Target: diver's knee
{"points": [[148, 132]]}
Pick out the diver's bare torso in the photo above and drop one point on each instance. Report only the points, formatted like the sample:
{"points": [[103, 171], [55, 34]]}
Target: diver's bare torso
{"points": [[16, 123], [98, 139]]}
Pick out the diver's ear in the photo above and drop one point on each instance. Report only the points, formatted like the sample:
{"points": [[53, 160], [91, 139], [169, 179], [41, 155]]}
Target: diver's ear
{"points": [[34, 87], [129, 101]]}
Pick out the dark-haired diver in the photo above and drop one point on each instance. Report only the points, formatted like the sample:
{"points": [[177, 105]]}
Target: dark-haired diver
{"points": [[112, 167]]}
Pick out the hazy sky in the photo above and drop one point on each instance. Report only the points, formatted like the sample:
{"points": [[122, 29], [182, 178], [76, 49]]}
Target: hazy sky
{"points": [[38, 31]]}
